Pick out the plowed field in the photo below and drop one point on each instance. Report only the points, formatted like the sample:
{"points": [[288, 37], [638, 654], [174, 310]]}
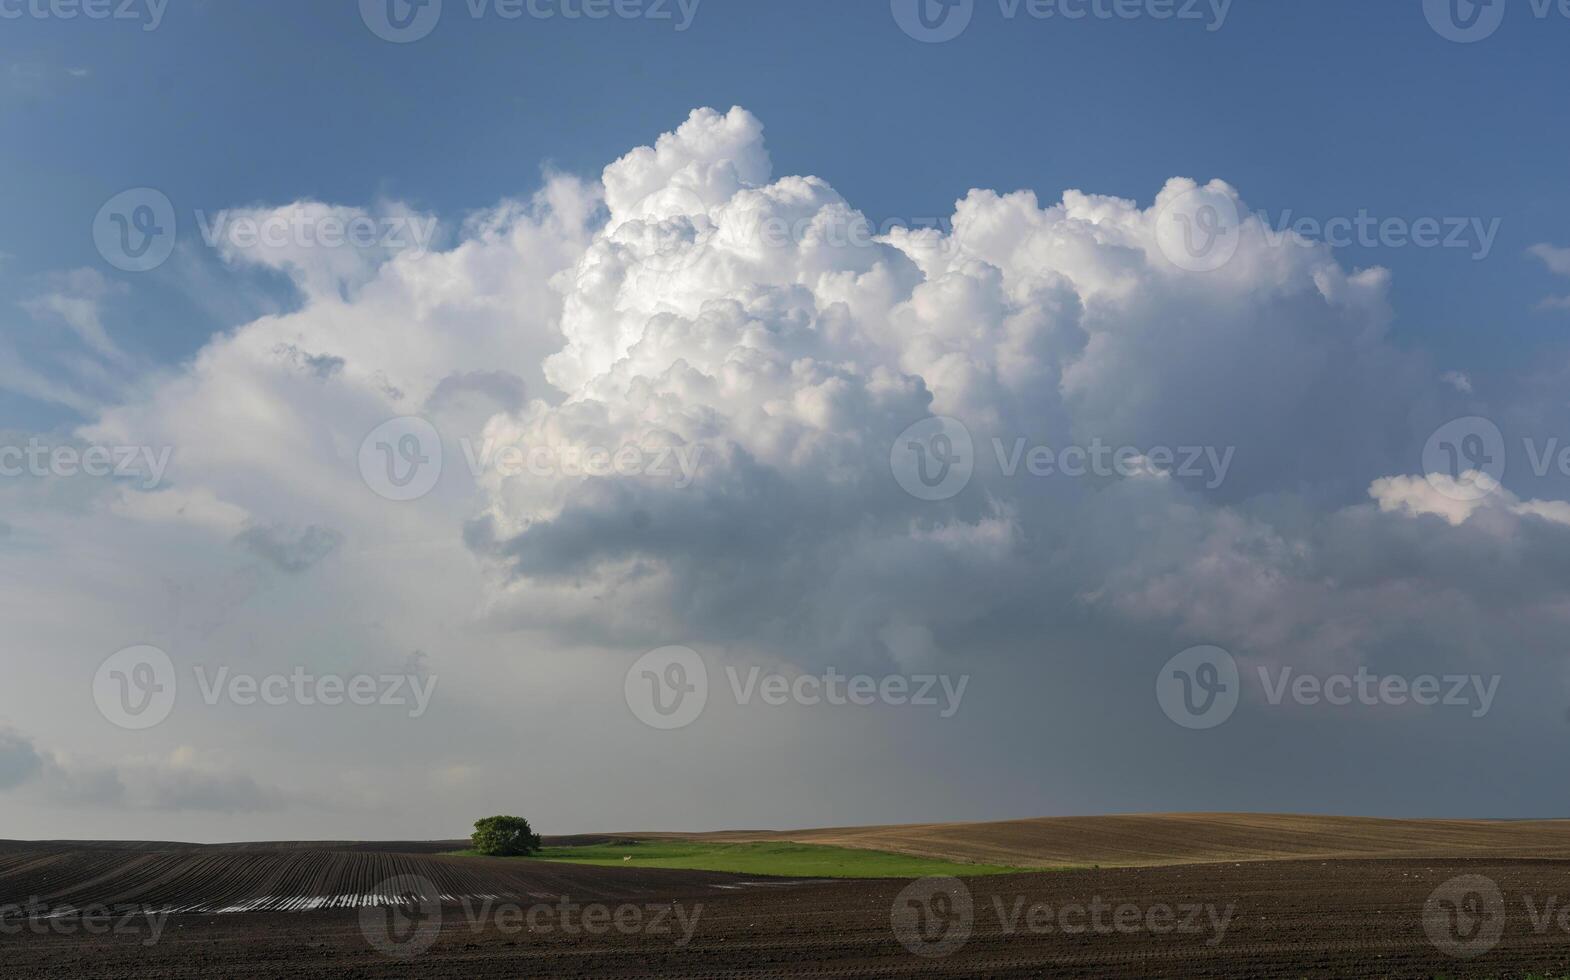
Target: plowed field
{"points": [[1282, 919], [319, 910], [227, 879]]}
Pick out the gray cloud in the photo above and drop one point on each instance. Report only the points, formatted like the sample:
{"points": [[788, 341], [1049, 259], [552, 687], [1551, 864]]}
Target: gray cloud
{"points": [[500, 390], [288, 551], [321, 366], [19, 761], [180, 782]]}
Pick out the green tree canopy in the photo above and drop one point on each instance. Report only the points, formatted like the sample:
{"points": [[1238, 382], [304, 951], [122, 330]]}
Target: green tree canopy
{"points": [[504, 837]]}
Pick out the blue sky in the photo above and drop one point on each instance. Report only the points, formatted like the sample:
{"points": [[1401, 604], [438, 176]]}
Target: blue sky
{"points": [[1323, 108], [602, 280]]}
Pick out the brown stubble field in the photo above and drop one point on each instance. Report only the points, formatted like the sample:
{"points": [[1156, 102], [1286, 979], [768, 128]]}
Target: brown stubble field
{"points": [[1185, 838]]}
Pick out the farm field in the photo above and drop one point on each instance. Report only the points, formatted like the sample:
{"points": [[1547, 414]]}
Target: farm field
{"points": [[222, 880], [767, 858], [1148, 840], [1283, 920], [407, 909]]}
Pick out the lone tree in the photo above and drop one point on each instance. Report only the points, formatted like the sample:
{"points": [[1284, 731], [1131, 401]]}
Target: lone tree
{"points": [[504, 837]]}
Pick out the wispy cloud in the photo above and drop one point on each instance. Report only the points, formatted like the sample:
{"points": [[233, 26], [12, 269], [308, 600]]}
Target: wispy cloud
{"points": [[1558, 262]]}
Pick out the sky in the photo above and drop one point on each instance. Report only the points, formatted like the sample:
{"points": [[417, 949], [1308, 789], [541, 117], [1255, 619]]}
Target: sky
{"points": [[642, 414]]}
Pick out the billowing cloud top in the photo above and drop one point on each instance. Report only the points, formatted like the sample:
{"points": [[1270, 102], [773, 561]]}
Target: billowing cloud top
{"points": [[670, 405]]}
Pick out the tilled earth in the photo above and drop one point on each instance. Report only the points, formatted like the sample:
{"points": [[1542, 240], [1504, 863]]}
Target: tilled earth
{"points": [[1388, 918], [229, 880]]}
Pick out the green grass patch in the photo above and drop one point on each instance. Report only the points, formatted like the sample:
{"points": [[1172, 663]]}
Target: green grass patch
{"points": [[771, 858]]}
